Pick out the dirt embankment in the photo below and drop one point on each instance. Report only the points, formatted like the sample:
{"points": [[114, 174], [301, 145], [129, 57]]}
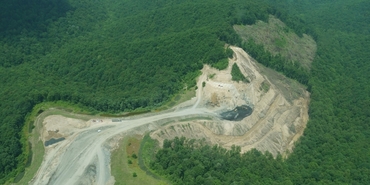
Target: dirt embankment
{"points": [[279, 109]]}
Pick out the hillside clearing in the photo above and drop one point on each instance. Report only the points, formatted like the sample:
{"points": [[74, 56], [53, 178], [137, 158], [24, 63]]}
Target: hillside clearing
{"points": [[277, 38]]}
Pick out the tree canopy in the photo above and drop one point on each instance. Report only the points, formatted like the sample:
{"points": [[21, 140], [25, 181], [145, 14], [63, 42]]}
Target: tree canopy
{"points": [[122, 55], [110, 56], [334, 148]]}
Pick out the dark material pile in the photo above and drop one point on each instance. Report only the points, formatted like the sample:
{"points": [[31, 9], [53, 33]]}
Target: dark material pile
{"points": [[238, 113]]}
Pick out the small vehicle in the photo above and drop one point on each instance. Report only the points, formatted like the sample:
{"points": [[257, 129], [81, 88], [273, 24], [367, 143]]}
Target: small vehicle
{"points": [[99, 131]]}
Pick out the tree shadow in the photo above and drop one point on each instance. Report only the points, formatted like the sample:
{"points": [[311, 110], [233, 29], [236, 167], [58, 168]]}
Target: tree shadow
{"points": [[17, 16]]}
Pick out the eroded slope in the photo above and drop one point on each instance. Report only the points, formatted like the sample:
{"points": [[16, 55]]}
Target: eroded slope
{"points": [[280, 109]]}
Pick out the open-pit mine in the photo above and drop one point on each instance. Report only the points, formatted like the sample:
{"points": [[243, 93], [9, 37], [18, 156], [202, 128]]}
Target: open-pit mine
{"points": [[268, 113]]}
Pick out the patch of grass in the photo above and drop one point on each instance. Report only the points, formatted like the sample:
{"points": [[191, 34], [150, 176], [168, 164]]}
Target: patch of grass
{"points": [[179, 98], [35, 147], [61, 108], [148, 149], [237, 75], [67, 107], [211, 76], [125, 173], [133, 113], [265, 86], [38, 151]]}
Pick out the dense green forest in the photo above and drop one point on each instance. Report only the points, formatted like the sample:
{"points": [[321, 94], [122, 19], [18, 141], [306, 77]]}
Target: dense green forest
{"points": [[334, 148], [110, 56], [194, 162], [121, 55]]}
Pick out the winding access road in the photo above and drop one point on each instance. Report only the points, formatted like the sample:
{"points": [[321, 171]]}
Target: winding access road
{"points": [[68, 162]]}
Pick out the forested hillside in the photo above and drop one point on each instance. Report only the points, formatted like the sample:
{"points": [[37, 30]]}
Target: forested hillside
{"points": [[123, 54], [109, 56], [335, 147]]}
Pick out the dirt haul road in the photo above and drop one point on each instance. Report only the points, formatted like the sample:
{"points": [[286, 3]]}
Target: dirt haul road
{"points": [[84, 156], [70, 160]]}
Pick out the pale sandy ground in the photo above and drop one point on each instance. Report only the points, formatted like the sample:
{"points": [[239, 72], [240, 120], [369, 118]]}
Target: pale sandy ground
{"points": [[84, 156], [277, 121]]}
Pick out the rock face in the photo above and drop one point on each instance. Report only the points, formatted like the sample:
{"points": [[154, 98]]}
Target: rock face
{"points": [[279, 109]]}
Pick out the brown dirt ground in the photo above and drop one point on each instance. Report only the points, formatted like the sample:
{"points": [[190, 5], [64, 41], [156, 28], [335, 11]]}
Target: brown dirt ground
{"points": [[278, 120]]}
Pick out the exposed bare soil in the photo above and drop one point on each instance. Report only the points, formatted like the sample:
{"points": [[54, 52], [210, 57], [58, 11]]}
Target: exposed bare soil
{"points": [[280, 112], [84, 156], [278, 119]]}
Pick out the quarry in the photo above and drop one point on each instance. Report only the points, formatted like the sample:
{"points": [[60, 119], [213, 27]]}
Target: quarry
{"points": [[274, 116], [268, 113]]}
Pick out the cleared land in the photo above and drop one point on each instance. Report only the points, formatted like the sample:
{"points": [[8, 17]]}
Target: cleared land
{"points": [[279, 104], [84, 156], [277, 38]]}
